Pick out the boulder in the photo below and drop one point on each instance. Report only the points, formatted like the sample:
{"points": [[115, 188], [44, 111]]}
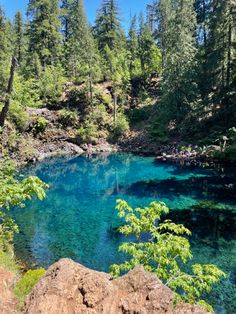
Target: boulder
{"points": [[70, 288]]}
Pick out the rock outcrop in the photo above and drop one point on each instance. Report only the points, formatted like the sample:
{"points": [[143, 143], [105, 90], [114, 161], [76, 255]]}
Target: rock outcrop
{"points": [[69, 288]]}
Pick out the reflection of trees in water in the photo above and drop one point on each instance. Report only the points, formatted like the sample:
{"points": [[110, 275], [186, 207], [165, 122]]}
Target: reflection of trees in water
{"points": [[211, 187]]}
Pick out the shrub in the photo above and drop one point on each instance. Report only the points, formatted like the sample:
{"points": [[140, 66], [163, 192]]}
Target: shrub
{"points": [[88, 133], [120, 127], [18, 116], [99, 116], [78, 99], [163, 251], [26, 92], [40, 125], [25, 285], [159, 131], [51, 83], [68, 117]]}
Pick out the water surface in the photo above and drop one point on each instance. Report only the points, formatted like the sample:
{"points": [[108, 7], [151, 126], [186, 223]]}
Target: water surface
{"points": [[78, 218]]}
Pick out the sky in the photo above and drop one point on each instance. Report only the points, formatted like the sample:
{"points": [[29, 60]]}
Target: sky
{"points": [[127, 7]]}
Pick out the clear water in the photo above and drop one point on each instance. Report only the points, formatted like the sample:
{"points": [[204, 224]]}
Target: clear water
{"points": [[78, 218]]}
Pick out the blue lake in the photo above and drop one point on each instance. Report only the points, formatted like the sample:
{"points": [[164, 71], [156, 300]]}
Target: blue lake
{"points": [[78, 217]]}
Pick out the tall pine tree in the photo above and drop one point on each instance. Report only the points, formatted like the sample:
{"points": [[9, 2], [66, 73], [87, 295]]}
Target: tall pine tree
{"points": [[44, 31], [179, 48], [82, 56], [19, 36]]}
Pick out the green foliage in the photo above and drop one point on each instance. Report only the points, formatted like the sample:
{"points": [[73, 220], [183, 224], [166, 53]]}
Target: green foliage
{"points": [[158, 130], [18, 115], [82, 57], [120, 126], [164, 253], [40, 125], [68, 117], [50, 84], [8, 262], [44, 31], [26, 92], [25, 285], [88, 133]]}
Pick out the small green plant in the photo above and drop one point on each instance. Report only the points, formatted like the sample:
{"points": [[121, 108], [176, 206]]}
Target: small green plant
{"points": [[25, 285], [158, 130], [164, 253], [88, 133], [40, 125], [119, 127], [19, 116], [68, 117], [51, 84]]}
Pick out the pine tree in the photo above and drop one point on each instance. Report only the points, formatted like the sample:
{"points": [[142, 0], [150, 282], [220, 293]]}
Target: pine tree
{"points": [[44, 35], [19, 33], [178, 42], [133, 46], [222, 40], [150, 56], [108, 28], [65, 8], [5, 51], [82, 53]]}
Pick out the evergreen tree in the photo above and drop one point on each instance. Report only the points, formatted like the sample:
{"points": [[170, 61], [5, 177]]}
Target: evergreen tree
{"points": [[19, 33], [108, 28], [221, 46], [44, 35], [81, 51], [178, 25], [65, 8], [5, 51], [150, 56], [133, 46]]}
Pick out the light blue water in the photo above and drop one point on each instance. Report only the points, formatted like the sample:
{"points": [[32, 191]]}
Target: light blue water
{"points": [[78, 217]]}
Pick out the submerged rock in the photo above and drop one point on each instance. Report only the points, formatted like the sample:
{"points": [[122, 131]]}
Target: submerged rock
{"points": [[70, 288]]}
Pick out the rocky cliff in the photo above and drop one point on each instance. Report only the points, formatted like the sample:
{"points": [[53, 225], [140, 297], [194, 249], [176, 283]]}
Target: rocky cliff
{"points": [[69, 288]]}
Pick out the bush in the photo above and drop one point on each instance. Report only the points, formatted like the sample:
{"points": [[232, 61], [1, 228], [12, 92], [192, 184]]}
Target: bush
{"points": [[26, 92], [18, 116], [78, 99], [25, 285], [164, 250], [68, 117], [99, 116], [40, 125], [120, 127], [159, 131], [88, 133], [51, 83]]}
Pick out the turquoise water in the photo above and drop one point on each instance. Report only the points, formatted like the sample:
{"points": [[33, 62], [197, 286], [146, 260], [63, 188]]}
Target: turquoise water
{"points": [[78, 218]]}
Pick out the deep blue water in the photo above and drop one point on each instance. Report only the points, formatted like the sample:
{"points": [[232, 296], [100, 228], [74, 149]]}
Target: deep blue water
{"points": [[78, 218]]}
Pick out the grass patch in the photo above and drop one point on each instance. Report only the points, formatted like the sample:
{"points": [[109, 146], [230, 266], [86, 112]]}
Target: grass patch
{"points": [[25, 285], [8, 262]]}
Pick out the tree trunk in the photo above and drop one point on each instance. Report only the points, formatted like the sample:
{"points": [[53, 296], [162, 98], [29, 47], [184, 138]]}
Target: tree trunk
{"points": [[115, 107], [228, 75], [5, 109]]}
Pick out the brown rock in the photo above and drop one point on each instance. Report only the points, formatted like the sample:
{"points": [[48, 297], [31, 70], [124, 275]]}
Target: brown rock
{"points": [[69, 288]]}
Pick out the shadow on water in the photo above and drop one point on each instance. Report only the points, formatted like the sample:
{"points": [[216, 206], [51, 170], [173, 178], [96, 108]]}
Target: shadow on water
{"points": [[206, 187]]}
